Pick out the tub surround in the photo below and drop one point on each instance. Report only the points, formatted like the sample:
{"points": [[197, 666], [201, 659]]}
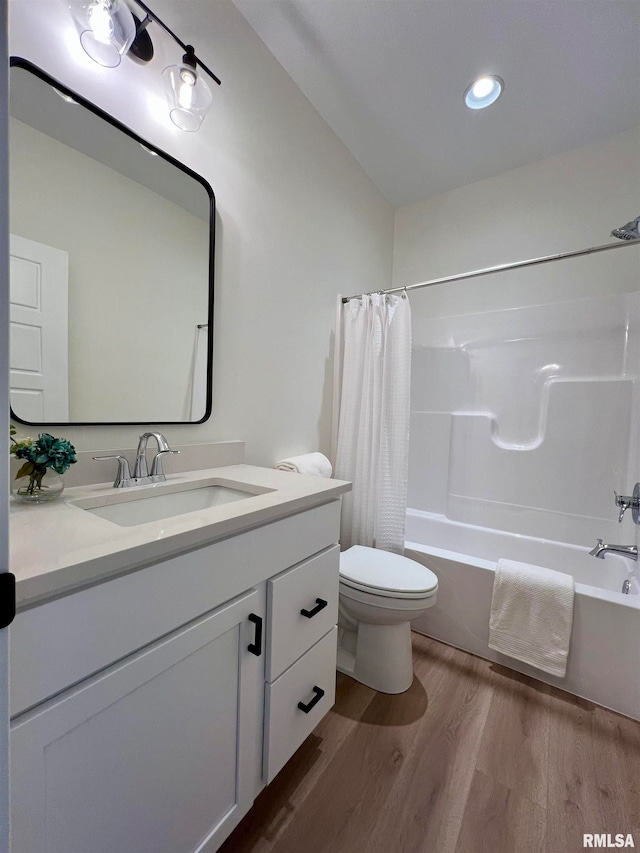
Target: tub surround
{"points": [[522, 427], [59, 547], [507, 406]]}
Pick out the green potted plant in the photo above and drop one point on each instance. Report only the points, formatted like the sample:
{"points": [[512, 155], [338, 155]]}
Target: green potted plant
{"points": [[45, 459]]}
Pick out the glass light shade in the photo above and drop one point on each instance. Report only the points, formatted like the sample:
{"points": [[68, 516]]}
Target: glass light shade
{"points": [[107, 29], [483, 92], [188, 96]]}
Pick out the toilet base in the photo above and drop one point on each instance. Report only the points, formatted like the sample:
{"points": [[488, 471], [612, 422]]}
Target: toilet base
{"points": [[378, 656]]}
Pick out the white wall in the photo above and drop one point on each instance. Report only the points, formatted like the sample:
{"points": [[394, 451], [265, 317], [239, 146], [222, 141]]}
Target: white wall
{"points": [[298, 221], [524, 384], [157, 246], [560, 204]]}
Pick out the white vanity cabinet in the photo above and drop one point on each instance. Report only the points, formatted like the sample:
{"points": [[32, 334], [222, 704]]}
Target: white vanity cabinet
{"points": [[147, 756], [150, 710]]}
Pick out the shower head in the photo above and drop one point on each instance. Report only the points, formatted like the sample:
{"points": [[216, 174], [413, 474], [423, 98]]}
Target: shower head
{"points": [[628, 231]]}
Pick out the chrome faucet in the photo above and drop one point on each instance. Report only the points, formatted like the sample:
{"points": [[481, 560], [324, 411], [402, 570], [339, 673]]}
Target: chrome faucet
{"points": [[600, 551], [141, 473], [140, 468]]}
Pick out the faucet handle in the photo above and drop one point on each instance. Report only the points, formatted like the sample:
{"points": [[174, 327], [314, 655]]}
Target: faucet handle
{"points": [[156, 466], [624, 502], [124, 473], [627, 501]]}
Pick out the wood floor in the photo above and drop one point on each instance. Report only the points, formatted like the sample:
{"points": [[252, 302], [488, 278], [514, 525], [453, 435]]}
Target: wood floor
{"points": [[474, 758]]}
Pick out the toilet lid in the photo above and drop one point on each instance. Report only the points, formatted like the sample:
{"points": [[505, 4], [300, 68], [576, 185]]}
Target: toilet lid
{"points": [[373, 569]]}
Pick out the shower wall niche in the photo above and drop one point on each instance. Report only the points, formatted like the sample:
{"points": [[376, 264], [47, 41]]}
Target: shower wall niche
{"points": [[522, 418]]}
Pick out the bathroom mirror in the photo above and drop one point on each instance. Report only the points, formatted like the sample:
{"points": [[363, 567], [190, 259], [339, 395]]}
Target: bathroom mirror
{"points": [[111, 275]]}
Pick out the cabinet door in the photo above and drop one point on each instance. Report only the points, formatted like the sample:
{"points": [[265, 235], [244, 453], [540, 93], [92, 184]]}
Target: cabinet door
{"points": [[157, 753]]}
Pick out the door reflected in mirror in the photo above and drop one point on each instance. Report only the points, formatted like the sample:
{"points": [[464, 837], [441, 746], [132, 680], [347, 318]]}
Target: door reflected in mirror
{"points": [[111, 268]]}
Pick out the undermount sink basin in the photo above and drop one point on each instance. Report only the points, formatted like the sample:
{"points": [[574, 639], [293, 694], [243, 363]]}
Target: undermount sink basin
{"points": [[132, 508]]}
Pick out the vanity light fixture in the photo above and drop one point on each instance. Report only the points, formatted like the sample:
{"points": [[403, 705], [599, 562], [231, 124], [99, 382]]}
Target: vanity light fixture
{"points": [[109, 30], [483, 92], [187, 94]]}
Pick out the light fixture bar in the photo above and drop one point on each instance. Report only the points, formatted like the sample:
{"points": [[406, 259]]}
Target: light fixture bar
{"points": [[152, 15]]}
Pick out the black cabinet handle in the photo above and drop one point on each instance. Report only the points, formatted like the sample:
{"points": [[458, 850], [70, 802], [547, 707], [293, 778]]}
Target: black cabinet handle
{"points": [[319, 693], [256, 647], [320, 605], [7, 599]]}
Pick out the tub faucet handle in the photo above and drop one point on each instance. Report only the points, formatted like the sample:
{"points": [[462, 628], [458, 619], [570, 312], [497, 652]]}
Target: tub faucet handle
{"points": [[628, 501], [624, 502]]}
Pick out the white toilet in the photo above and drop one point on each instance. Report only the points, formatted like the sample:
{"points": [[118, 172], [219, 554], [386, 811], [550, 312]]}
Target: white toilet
{"points": [[380, 593]]}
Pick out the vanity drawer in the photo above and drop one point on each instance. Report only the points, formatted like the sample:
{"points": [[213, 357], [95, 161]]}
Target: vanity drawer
{"points": [[63, 641], [311, 681], [311, 587]]}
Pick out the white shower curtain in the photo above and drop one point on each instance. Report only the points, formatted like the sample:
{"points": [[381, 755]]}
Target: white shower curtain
{"points": [[373, 432]]}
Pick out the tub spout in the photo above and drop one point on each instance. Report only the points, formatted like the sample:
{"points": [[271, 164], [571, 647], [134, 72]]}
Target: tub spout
{"points": [[600, 551]]}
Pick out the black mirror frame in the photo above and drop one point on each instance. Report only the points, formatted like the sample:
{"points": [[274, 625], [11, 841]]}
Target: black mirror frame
{"points": [[19, 62]]}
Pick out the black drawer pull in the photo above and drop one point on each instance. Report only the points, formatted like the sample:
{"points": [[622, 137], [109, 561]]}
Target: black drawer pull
{"points": [[319, 694], [320, 605], [256, 647]]}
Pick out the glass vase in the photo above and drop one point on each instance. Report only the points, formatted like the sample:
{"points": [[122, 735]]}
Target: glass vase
{"points": [[37, 489]]}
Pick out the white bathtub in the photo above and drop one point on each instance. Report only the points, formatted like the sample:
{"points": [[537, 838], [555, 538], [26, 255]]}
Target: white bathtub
{"points": [[604, 656]]}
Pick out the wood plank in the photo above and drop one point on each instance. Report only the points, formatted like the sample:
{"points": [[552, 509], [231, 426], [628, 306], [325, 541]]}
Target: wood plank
{"points": [[353, 790], [458, 764], [515, 744], [499, 820], [616, 750], [280, 803], [425, 806], [574, 805]]}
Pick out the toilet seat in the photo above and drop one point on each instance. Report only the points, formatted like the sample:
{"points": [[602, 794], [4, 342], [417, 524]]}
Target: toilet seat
{"points": [[386, 593], [388, 575]]}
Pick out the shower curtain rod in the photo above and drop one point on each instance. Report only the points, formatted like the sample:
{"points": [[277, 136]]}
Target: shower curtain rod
{"points": [[501, 268]]}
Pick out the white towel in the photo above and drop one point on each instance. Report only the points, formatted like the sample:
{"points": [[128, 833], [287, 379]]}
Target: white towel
{"points": [[308, 463], [531, 615]]}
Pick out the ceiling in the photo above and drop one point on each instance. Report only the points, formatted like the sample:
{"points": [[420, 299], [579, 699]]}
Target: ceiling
{"points": [[389, 77]]}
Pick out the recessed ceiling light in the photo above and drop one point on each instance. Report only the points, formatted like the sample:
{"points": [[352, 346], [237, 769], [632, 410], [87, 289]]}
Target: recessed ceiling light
{"points": [[483, 92]]}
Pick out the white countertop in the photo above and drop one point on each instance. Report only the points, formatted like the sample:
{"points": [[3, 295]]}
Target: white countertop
{"points": [[57, 547]]}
